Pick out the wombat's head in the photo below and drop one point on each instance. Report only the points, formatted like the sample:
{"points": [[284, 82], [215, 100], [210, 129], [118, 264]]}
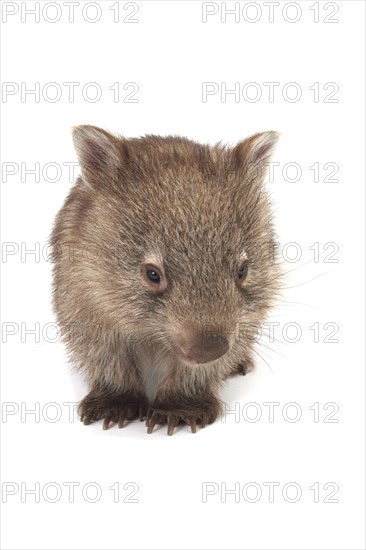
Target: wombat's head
{"points": [[183, 234]]}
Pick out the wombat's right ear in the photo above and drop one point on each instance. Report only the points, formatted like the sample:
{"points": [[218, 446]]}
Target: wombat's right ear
{"points": [[98, 151], [252, 155]]}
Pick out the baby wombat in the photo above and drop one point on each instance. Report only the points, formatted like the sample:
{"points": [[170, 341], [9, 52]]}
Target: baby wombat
{"points": [[163, 270]]}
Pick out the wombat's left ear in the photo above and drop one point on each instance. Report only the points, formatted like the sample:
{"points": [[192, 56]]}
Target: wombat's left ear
{"points": [[254, 153], [99, 153]]}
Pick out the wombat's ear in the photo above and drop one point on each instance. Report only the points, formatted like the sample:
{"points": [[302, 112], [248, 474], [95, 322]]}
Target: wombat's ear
{"points": [[254, 153], [98, 151]]}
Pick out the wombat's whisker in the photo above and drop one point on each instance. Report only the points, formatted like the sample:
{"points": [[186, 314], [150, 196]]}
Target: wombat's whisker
{"points": [[262, 358], [261, 343], [308, 281]]}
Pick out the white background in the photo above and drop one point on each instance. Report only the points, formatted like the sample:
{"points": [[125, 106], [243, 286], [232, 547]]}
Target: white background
{"points": [[169, 52]]}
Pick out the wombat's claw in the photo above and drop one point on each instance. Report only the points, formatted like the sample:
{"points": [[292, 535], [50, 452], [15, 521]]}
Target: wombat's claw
{"points": [[204, 420], [85, 420], [173, 418], [172, 422], [242, 369], [153, 418], [121, 420], [246, 367], [106, 422], [142, 414], [151, 422], [88, 417], [116, 409]]}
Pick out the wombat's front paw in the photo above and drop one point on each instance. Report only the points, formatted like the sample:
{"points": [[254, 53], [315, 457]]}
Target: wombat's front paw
{"points": [[112, 407], [192, 413], [243, 368]]}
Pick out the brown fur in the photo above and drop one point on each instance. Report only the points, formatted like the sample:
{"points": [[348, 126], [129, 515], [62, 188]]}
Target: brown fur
{"points": [[197, 213]]}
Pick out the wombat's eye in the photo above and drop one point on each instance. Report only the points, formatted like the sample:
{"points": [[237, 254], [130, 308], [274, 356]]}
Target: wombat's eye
{"points": [[243, 272], [154, 277]]}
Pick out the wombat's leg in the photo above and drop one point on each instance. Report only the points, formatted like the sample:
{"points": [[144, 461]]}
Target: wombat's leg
{"points": [[172, 409], [113, 406]]}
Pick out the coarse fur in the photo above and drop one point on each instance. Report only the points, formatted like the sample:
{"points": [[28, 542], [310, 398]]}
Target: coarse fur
{"points": [[195, 214]]}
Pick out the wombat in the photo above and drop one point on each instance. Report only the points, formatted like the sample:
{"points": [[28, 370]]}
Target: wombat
{"points": [[164, 267]]}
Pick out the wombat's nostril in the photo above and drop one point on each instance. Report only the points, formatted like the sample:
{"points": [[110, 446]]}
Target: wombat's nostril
{"points": [[209, 347]]}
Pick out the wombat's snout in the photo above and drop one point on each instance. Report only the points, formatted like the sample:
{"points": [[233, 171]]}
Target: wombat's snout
{"points": [[203, 348]]}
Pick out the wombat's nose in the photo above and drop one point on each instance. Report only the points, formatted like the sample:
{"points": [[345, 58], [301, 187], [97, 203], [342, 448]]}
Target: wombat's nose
{"points": [[209, 347]]}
